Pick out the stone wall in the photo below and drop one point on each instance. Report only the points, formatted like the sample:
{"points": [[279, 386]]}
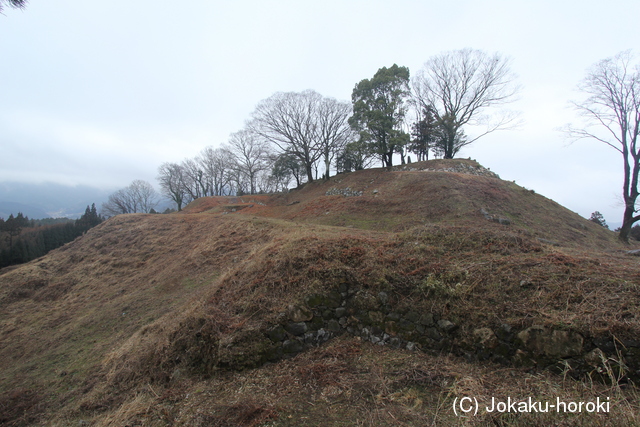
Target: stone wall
{"points": [[345, 192], [460, 167], [374, 318]]}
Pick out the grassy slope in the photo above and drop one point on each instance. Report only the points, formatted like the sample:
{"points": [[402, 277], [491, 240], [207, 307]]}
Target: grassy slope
{"points": [[403, 199], [131, 322]]}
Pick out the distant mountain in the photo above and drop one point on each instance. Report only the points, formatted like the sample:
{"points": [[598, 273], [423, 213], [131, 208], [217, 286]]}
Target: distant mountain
{"points": [[49, 199], [8, 208]]}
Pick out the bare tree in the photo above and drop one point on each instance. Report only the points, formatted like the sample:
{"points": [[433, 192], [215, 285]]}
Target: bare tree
{"points": [[457, 87], [216, 163], [334, 130], [290, 121], [172, 183], [145, 195], [238, 184], [250, 154], [611, 114], [194, 178], [118, 203], [139, 196]]}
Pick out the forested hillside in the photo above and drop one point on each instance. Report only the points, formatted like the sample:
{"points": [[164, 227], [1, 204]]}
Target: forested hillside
{"points": [[23, 239]]}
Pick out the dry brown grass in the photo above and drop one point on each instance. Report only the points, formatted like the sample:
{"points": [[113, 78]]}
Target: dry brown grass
{"points": [[154, 319], [348, 382]]}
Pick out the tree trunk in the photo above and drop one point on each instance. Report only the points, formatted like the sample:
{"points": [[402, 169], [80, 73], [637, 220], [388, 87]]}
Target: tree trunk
{"points": [[627, 223], [327, 167], [388, 159], [309, 172]]}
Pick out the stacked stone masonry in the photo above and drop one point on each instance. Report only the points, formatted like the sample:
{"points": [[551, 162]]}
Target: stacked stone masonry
{"points": [[455, 168], [345, 192], [373, 318]]}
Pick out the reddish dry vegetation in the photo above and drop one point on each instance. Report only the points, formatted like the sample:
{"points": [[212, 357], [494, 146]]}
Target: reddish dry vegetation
{"points": [[152, 319]]}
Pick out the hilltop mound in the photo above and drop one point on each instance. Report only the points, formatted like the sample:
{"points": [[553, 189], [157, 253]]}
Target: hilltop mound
{"points": [[435, 192], [349, 299]]}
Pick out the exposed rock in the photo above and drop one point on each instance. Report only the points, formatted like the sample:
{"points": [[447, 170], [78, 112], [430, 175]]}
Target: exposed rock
{"points": [[427, 319], [383, 297], [551, 342], [489, 217], [485, 338], [446, 325], [393, 316], [333, 326], [376, 316], [314, 300], [300, 313], [345, 192], [595, 357], [433, 334], [406, 325], [391, 327], [454, 168], [277, 333], [360, 313], [298, 328], [292, 346], [505, 332], [412, 316]]}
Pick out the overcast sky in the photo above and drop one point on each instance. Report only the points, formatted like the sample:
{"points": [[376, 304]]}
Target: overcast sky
{"points": [[102, 92]]}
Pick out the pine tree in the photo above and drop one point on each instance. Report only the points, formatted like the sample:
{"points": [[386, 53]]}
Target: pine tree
{"points": [[598, 218]]}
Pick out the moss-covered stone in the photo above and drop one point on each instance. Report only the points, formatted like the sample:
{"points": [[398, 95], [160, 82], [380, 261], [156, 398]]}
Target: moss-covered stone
{"points": [[363, 317], [334, 300], [377, 318], [552, 343], [276, 333], [391, 327], [505, 333], [394, 315], [274, 352], [316, 323], [446, 325], [427, 319], [248, 350], [300, 313], [333, 326], [315, 300], [292, 347], [298, 328], [433, 334], [406, 325], [484, 338], [412, 316]]}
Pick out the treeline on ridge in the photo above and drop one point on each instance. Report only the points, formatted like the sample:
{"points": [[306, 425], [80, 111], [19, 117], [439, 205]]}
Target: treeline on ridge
{"points": [[303, 136], [297, 137], [25, 239]]}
